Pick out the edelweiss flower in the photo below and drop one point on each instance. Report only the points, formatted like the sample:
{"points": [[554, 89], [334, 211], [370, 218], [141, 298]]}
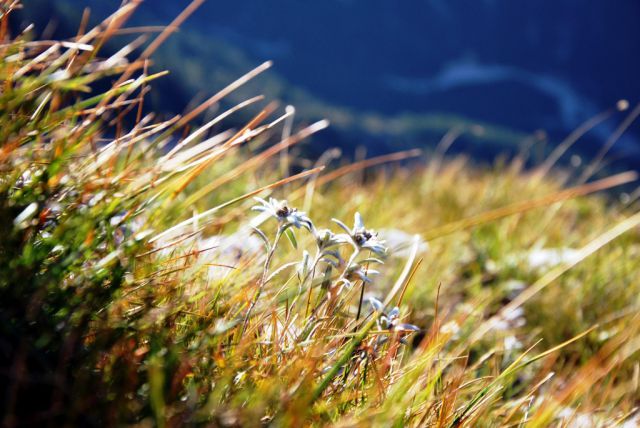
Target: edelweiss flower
{"points": [[363, 238], [285, 215], [327, 239], [356, 272], [388, 320]]}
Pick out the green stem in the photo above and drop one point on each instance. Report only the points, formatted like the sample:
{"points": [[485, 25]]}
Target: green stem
{"points": [[360, 303], [265, 271], [317, 393], [313, 270]]}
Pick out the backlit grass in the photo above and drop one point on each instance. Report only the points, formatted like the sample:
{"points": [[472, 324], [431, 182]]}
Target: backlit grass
{"points": [[138, 286]]}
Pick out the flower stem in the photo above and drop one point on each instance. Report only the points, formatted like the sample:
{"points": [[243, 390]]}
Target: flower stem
{"points": [[265, 271], [360, 303], [344, 358]]}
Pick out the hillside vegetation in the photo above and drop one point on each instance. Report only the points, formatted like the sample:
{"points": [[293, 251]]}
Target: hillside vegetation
{"points": [[168, 273]]}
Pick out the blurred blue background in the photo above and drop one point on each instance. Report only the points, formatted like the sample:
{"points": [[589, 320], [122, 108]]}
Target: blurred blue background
{"points": [[397, 74]]}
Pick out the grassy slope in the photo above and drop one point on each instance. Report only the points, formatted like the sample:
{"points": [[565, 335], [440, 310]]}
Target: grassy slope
{"points": [[111, 314], [480, 270]]}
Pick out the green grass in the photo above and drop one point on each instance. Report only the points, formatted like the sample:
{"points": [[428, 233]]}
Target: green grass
{"points": [[138, 287]]}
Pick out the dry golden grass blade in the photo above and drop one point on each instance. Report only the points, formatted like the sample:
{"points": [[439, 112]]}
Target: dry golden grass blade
{"points": [[8, 148], [41, 58], [565, 145], [406, 272], [286, 133], [200, 131], [121, 55], [171, 28], [204, 165], [521, 207], [144, 29], [253, 124], [117, 20], [586, 251], [236, 200], [357, 166], [224, 92], [255, 161], [65, 44], [325, 159], [408, 281], [194, 153], [7, 8], [443, 146], [113, 149], [114, 23], [618, 349], [596, 163], [84, 22]]}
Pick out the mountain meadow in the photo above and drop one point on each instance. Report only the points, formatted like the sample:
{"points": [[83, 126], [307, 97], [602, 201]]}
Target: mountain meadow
{"points": [[214, 266]]}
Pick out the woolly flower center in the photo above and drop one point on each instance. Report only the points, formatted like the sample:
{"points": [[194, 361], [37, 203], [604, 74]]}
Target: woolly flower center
{"points": [[362, 237]]}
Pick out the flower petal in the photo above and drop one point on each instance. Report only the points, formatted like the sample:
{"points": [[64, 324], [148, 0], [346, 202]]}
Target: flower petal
{"points": [[376, 304], [358, 223], [342, 225], [406, 327]]}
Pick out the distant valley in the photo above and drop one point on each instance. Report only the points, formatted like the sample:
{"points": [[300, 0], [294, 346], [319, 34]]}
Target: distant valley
{"points": [[390, 76]]}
